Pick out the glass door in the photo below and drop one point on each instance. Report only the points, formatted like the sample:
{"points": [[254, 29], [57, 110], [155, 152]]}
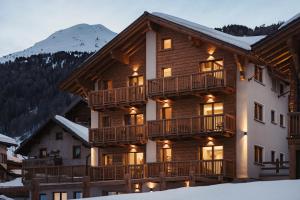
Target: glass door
{"points": [[213, 116], [136, 90], [212, 157], [136, 161], [166, 116]]}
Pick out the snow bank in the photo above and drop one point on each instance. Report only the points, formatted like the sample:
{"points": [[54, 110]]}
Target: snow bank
{"points": [[13, 183], [275, 190], [81, 131], [242, 42], [2, 197]]}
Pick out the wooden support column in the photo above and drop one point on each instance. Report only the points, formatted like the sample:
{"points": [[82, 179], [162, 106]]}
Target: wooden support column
{"points": [[162, 181], [86, 187], [35, 189], [192, 179], [128, 183]]}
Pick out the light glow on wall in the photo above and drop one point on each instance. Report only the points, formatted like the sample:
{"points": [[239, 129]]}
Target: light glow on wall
{"points": [[94, 156]]}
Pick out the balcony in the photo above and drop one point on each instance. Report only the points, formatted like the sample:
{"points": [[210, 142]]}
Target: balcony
{"points": [[134, 134], [189, 84], [173, 169], [125, 96], [210, 125], [294, 125], [48, 161]]}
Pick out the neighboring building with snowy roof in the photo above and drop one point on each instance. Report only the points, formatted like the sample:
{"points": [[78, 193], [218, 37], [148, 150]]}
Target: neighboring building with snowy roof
{"points": [[58, 142]]}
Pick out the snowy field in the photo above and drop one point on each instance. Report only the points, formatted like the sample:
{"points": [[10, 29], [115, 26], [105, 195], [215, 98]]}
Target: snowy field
{"points": [[273, 190]]}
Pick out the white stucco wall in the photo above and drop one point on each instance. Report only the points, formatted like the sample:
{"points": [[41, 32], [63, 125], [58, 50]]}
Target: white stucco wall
{"points": [[267, 135], [151, 104]]}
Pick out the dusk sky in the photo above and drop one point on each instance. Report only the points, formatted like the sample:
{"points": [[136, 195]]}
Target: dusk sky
{"points": [[23, 23]]}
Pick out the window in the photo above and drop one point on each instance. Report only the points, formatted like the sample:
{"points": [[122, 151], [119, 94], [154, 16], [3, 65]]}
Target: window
{"points": [[281, 120], [258, 112], [258, 154], [213, 119], [43, 152], [136, 80], [134, 119], [77, 195], [212, 153], [258, 74], [106, 121], [167, 72], [281, 159], [166, 154], [136, 158], [274, 85], [43, 196], [59, 135], [76, 152], [108, 159], [281, 88], [59, 196], [212, 65], [167, 44], [107, 85], [273, 117], [272, 156]]}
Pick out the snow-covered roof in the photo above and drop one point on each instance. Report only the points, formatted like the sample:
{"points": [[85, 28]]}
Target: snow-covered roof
{"points": [[7, 140], [12, 156], [297, 16], [244, 42], [79, 130], [13, 183]]}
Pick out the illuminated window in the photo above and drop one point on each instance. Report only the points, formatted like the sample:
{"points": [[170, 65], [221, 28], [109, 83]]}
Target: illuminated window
{"points": [[167, 72], [211, 65], [134, 119], [76, 152], [212, 153], [258, 154], [167, 43], [136, 158], [166, 154], [258, 73], [107, 85], [43, 152], [59, 196], [108, 159], [258, 112], [136, 81]]}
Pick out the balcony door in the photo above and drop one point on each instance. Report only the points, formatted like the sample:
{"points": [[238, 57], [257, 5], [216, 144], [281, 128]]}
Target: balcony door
{"points": [[166, 115], [212, 157], [136, 91], [213, 116], [212, 72], [134, 129], [166, 154]]}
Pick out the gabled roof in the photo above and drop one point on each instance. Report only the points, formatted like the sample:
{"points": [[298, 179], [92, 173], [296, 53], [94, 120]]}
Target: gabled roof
{"points": [[240, 45], [241, 42], [76, 130], [8, 141]]}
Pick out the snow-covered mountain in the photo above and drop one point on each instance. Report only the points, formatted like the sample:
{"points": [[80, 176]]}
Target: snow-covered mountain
{"points": [[81, 37]]}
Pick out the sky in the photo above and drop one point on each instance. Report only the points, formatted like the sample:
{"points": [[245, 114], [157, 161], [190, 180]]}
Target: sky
{"points": [[23, 23]]}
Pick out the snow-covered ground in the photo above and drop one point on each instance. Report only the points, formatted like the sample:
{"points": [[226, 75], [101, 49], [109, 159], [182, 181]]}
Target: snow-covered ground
{"points": [[81, 37], [273, 190], [13, 183]]}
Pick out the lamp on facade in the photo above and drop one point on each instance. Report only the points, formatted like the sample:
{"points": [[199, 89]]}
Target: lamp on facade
{"points": [[151, 186], [210, 98], [166, 144], [137, 187], [132, 111], [166, 103], [132, 148], [210, 141]]}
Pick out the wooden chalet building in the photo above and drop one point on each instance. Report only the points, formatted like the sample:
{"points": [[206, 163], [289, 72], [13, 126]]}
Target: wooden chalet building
{"points": [[59, 147], [174, 103]]}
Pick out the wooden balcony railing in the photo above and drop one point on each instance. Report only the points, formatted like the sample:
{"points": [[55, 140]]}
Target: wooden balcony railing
{"points": [[48, 161], [114, 135], [294, 124], [168, 86], [117, 96], [205, 168], [220, 124]]}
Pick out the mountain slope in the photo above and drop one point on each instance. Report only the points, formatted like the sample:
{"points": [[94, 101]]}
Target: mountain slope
{"points": [[81, 37]]}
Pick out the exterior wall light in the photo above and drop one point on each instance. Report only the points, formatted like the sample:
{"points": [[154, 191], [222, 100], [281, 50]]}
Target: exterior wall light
{"points": [[245, 133]]}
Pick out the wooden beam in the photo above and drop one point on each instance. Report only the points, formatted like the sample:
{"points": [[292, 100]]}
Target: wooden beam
{"points": [[120, 56], [239, 66]]}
